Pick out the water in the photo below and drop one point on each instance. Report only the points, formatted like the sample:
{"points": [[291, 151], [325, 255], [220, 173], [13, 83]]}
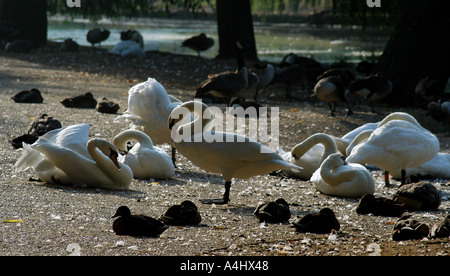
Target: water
{"points": [[326, 44]]}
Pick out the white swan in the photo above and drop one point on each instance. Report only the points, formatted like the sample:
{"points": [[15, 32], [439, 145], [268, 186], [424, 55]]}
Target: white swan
{"points": [[309, 155], [65, 156], [398, 143], [228, 154], [336, 177], [343, 142], [143, 158], [149, 107]]}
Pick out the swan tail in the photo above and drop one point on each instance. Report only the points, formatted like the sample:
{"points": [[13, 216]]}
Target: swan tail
{"points": [[30, 158]]}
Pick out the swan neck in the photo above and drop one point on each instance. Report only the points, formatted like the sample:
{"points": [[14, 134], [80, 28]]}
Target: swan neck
{"points": [[121, 140], [360, 138], [100, 151], [328, 143], [331, 176], [203, 116]]}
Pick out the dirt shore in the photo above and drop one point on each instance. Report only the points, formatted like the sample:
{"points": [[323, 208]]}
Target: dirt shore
{"points": [[63, 220]]}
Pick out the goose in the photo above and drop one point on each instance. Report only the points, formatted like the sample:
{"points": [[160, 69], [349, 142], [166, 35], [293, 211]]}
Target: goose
{"points": [[338, 72], [228, 154], [97, 36], [66, 156], [312, 67], [145, 160], [309, 155], [398, 143], [273, 212], [331, 90], [86, 100], [371, 88], [265, 73], [226, 84], [323, 222], [440, 111], [290, 76], [136, 225], [185, 213], [431, 88], [198, 43], [32, 96], [337, 177], [149, 107]]}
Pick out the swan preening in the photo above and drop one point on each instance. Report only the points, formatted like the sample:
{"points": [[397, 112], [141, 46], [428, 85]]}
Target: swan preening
{"points": [[66, 156], [228, 154], [145, 160]]}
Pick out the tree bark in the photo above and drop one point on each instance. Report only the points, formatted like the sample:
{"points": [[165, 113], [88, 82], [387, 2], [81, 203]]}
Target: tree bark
{"points": [[27, 20], [235, 23], [418, 47]]}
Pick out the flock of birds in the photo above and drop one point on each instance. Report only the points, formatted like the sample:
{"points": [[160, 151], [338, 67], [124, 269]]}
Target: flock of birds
{"points": [[336, 166]]}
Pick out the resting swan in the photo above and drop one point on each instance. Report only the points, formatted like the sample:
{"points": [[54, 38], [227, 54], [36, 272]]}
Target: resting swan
{"points": [[337, 177], [149, 107], [65, 156], [309, 155], [398, 143], [145, 160], [228, 154]]}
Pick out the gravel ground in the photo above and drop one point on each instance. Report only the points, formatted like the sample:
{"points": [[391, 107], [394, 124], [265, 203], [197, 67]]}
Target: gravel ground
{"points": [[63, 220]]}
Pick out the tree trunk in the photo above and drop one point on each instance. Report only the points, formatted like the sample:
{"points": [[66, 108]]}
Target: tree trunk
{"points": [[24, 20], [235, 23], [418, 47]]}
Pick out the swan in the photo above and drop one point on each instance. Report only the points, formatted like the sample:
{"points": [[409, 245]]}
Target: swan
{"points": [[228, 154], [398, 143], [343, 142], [128, 48], [309, 155], [66, 156], [145, 160], [337, 177], [149, 107]]}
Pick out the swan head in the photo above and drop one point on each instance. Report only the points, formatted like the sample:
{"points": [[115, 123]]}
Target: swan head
{"points": [[106, 148], [181, 115], [337, 159]]}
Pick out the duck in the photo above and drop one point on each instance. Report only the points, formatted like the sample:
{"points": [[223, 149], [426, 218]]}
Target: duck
{"points": [[182, 214], [85, 100], [37, 128], [323, 222], [380, 206], [145, 160], [198, 43], [408, 228], [440, 111], [309, 155], [133, 35], [441, 229], [106, 106], [339, 178], [69, 45], [149, 107], [420, 196], [226, 84], [273, 212], [265, 72], [97, 36], [372, 88], [31, 96], [66, 156], [228, 154], [399, 142], [127, 224], [331, 90]]}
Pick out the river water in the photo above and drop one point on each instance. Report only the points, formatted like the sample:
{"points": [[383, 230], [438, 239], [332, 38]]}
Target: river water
{"points": [[326, 44]]}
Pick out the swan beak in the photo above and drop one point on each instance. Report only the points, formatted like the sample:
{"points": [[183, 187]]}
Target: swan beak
{"points": [[295, 157], [345, 161], [113, 156]]}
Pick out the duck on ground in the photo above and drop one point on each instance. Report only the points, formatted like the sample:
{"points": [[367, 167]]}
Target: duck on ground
{"points": [[337, 177], [127, 224], [199, 43], [228, 154], [182, 214], [37, 128], [380, 206], [86, 100], [31, 96], [323, 222], [66, 156], [273, 212], [145, 160], [107, 106]]}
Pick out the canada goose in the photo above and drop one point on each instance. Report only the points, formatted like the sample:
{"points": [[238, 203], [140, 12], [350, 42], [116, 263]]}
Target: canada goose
{"points": [[86, 100], [198, 43], [67, 156], [290, 76], [136, 225], [185, 213], [338, 72], [228, 154], [323, 222], [312, 68], [371, 88], [431, 88], [440, 112], [273, 212], [226, 84], [97, 36], [265, 73], [32, 96], [332, 90]]}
